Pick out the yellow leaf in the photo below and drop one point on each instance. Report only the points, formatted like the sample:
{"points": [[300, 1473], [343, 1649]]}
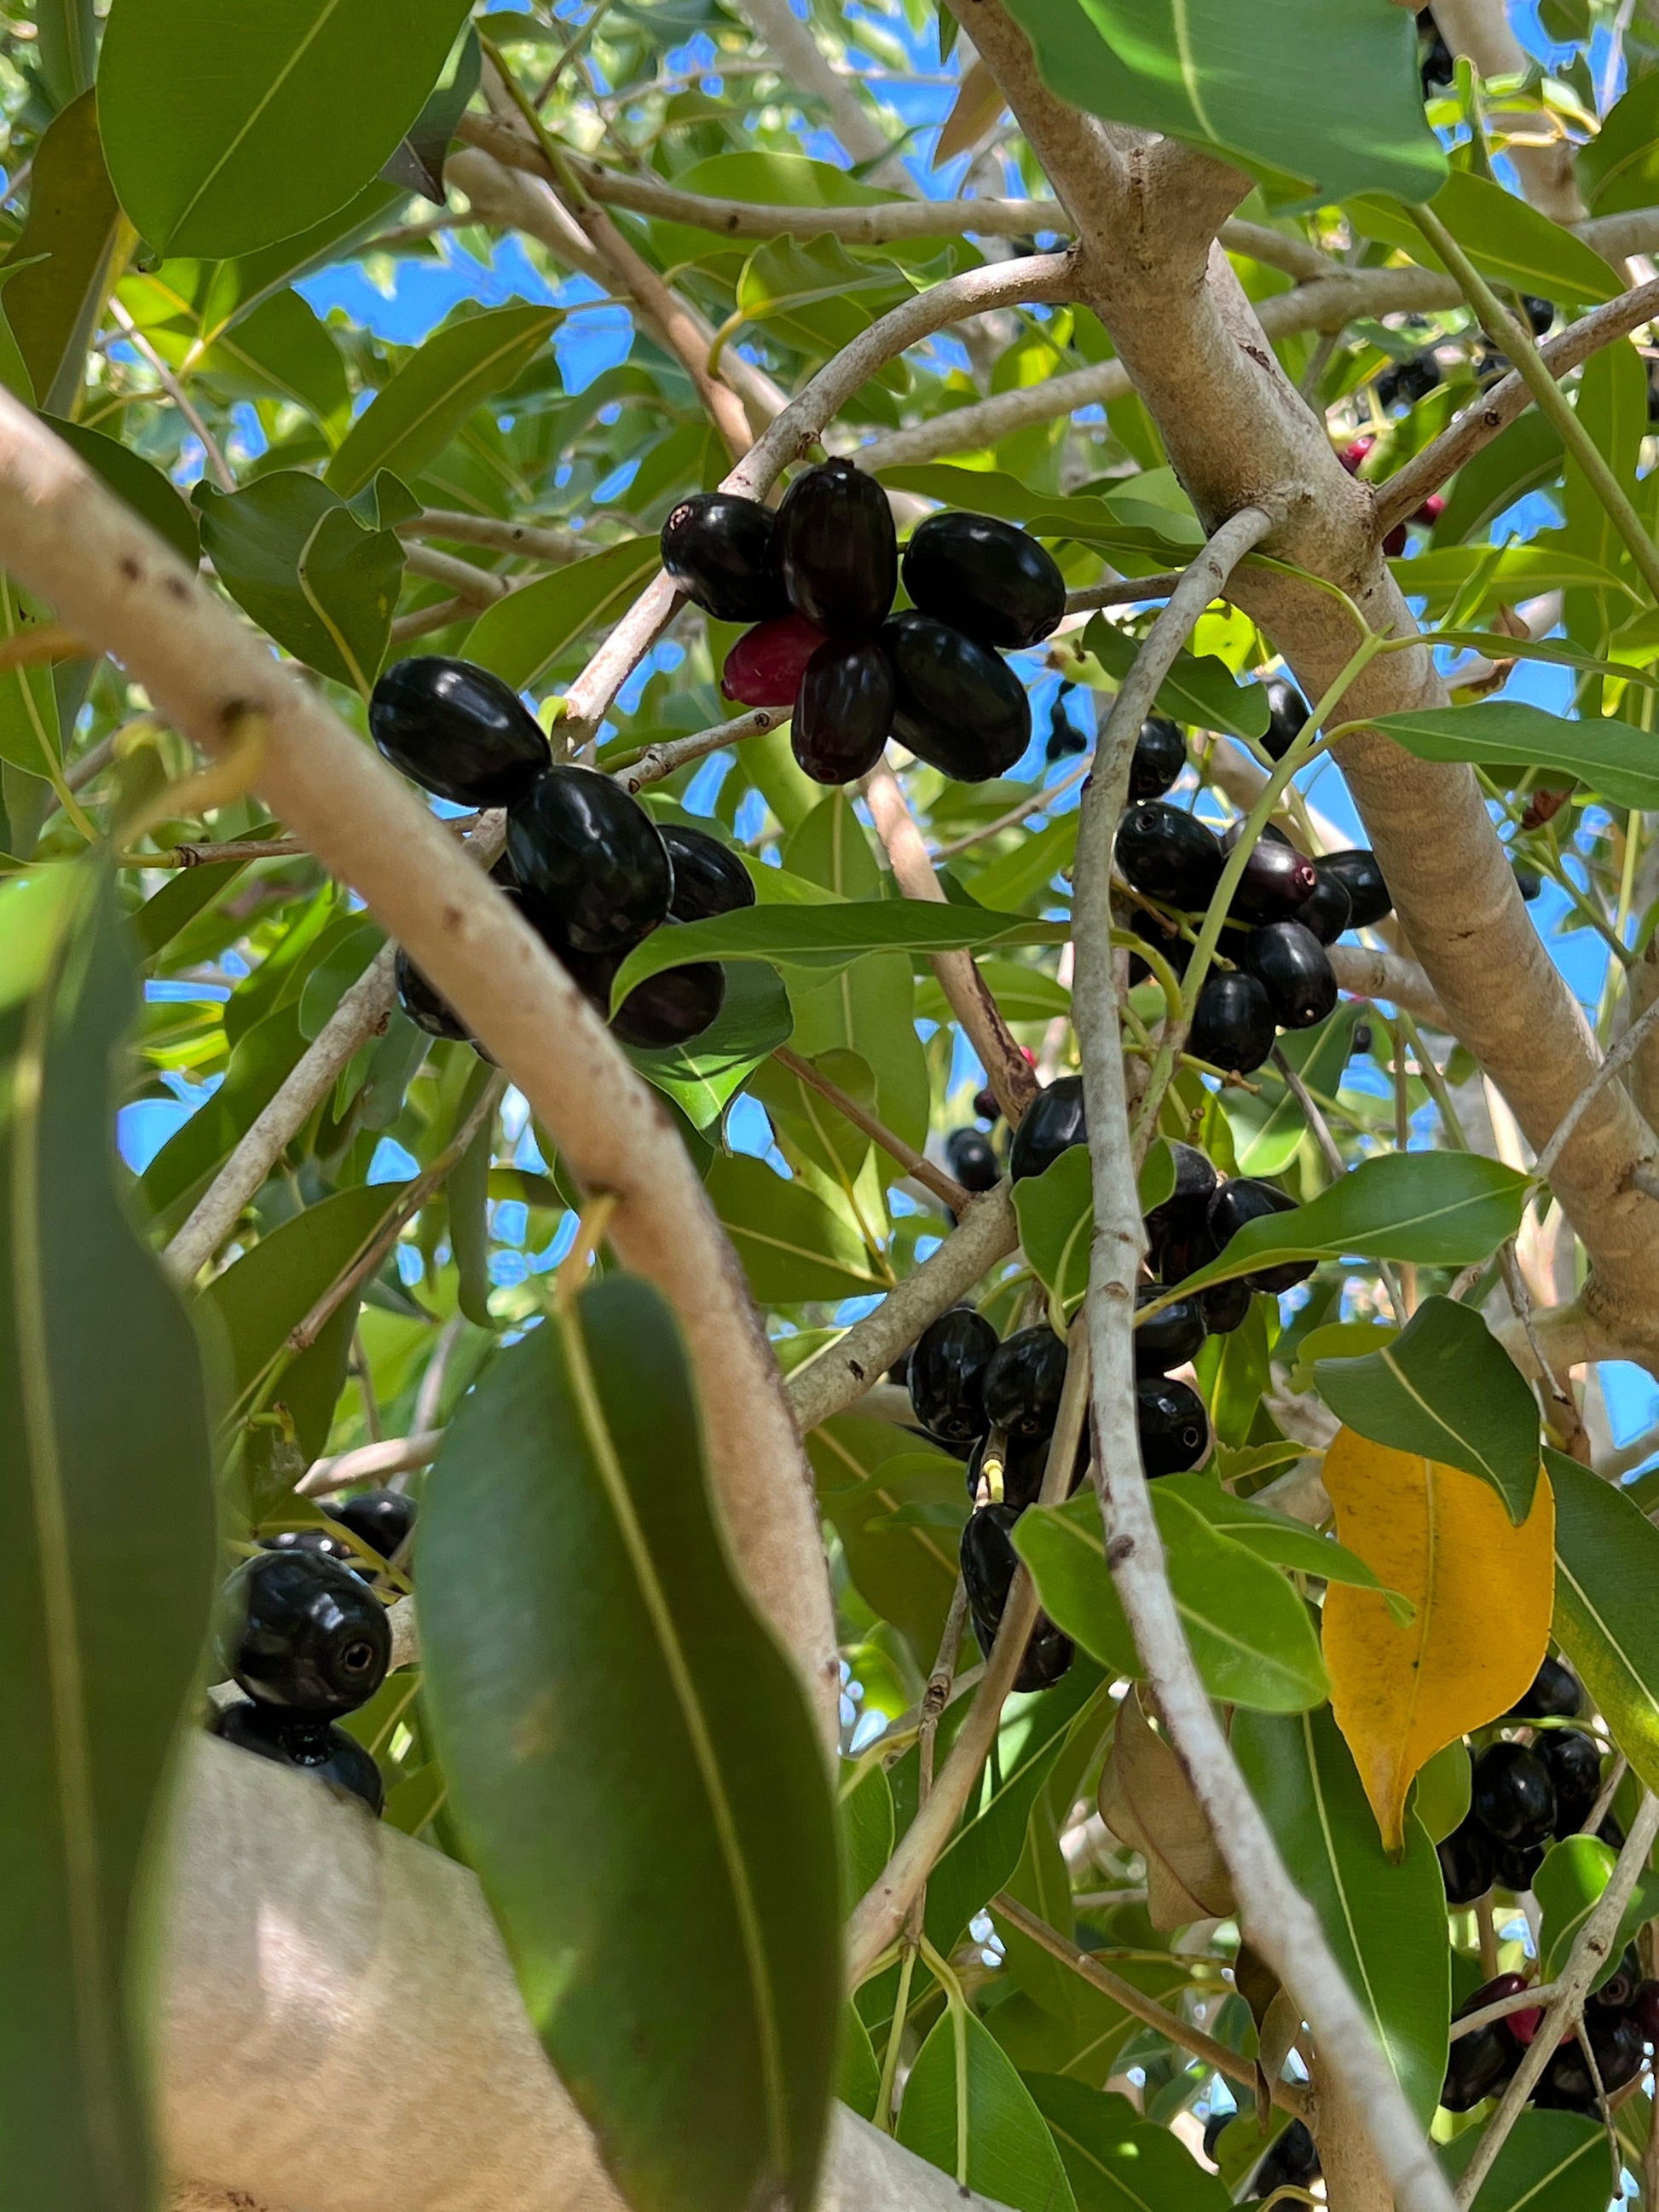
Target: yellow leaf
{"points": [[977, 105], [1483, 1592]]}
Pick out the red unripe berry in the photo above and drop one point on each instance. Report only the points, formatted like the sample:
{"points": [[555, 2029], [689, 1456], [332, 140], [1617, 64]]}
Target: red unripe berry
{"points": [[765, 667]]}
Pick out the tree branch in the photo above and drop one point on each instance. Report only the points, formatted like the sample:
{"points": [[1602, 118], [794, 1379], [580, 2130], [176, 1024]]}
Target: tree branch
{"points": [[1480, 30], [533, 540], [945, 1187]]}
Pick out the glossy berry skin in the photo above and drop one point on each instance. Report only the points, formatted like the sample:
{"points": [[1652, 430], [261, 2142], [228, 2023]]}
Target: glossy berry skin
{"points": [[1174, 1427], [1477, 2067], [1170, 1339], [844, 710], [1554, 1695], [1169, 855], [304, 1633], [672, 1007], [1053, 1122], [314, 1746], [947, 1374], [717, 548], [1358, 874], [971, 1158], [1328, 910], [1514, 1866], [1645, 2010], [1177, 1234], [323, 1541], [1293, 2161], [1466, 1865], [709, 879], [1290, 964], [1159, 755], [835, 550], [985, 1104], [427, 1008], [591, 860], [1225, 1306], [1233, 1024], [1287, 712], [1618, 1992], [764, 668], [1574, 1767], [1528, 881], [380, 1518], [1567, 2084], [988, 578], [1276, 881], [1514, 1799], [1066, 740], [458, 731], [956, 705], [1244, 1200], [988, 1561], [1024, 1381]]}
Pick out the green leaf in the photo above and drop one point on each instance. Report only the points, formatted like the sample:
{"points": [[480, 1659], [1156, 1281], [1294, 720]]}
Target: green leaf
{"points": [[858, 2079], [138, 482], [1568, 1886], [29, 737], [466, 1189], [1606, 1561], [1341, 108], [1444, 1388], [290, 552], [598, 1683], [1620, 167], [281, 351], [1115, 2161], [267, 132], [73, 236], [967, 2112], [1525, 455], [792, 1245], [703, 1077], [1446, 573], [1271, 1535], [1268, 1129], [1503, 237], [1055, 1210], [1386, 1924], [815, 294], [1021, 994], [260, 1059], [1550, 2161], [1248, 1630], [1147, 512], [524, 636], [66, 35], [103, 1429], [410, 421], [866, 1471], [1201, 690], [1025, 871], [867, 1831]]}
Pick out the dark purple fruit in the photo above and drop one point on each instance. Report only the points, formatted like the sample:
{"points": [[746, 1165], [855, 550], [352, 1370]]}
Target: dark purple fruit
{"points": [[591, 860], [844, 710], [1567, 2084], [1163, 937], [323, 1541], [1177, 1235], [1645, 2010], [1233, 1024], [971, 1158], [1053, 1122], [427, 1008], [1066, 740], [1276, 881], [986, 1106], [835, 550], [381, 1518], [1327, 910], [1175, 1428], [1290, 964], [1618, 1992], [947, 1374], [717, 548], [304, 1632], [709, 879], [988, 578], [1554, 1695], [988, 1562], [1287, 711], [672, 1007], [1225, 1306], [1358, 874], [1169, 855], [1244, 1200], [1528, 881], [1514, 1866], [1514, 1799], [1573, 1763], [1159, 755], [1024, 1381], [1291, 2162], [1170, 1339], [315, 1746], [1477, 2067], [957, 706], [1466, 1861], [764, 668], [457, 730]]}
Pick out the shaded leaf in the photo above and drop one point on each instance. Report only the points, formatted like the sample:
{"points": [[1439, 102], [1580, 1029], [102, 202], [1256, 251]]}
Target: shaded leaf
{"points": [[525, 634], [280, 350], [704, 1076], [1199, 689], [74, 224], [792, 1245], [137, 481], [1268, 1128], [1568, 1887], [1272, 1536], [1549, 2162], [865, 1470], [1606, 1561], [1503, 236], [30, 733], [966, 2111], [1115, 2161]]}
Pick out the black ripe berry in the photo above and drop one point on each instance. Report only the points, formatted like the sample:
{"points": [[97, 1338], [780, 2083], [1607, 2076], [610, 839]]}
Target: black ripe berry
{"points": [[1225, 1306], [1287, 713], [1514, 1866], [844, 710], [1178, 1240], [1174, 1430], [304, 1633], [1466, 1864], [947, 1374], [988, 578], [314, 1746], [670, 1007], [717, 547], [1053, 1122], [1023, 1383], [1477, 2065], [323, 1541], [972, 1159], [1169, 855], [1528, 881], [1159, 755], [1360, 877], [957, 706], [1290, 2163], [1245, 1200], [591, 860], [1573, 1763], [1170, 1339], [1276, 882], [1328, 910], [1233, 1024], [988, 1561], [1018, 1464], [380, 1518], [1554, 1695], [1568, 2085], [457, 730], [709, 878], [1514, 1799], [425, 1006], [835, 550], [1290, 964]]}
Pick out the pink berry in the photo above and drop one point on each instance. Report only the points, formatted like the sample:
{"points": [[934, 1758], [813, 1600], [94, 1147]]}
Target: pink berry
{"points": [[765, 667]]}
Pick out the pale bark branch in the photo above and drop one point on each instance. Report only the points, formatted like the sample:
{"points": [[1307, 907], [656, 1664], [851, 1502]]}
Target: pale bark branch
{"points": [[370, 1464], [474, 586], [657, 762], [805, 67], [1479, 29], [535, 540]]}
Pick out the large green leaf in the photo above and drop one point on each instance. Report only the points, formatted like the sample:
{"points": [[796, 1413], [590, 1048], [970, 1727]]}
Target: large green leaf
{"points": [[1115, 2161], [967, 2110], [282, 350], [106, 1472], [1606, 1562], [632, 1763], [1620, 167], [223, 140], [1199, 689], [1267, 1124], [524, 636], [1055, 1210], [72, 236], [1147, 512], [1612, 759], [29, 730], [703, 1077], [1386, 1924], [866, 1472], [1568, 1887], [138, 482], [1503, 236], [1549, 2162], [1268, 1535], [1340, 106], [792, 1246], [1444, 1386]]}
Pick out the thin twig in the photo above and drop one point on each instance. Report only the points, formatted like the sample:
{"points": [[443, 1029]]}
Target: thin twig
{"points": [[1621, 1056], [176, 392], [935, 1697], [1501, 2008], [945, 1187], [369, 1463], [1034, 805], [1124, 591], [533, 540], [1605, 1796], [479, 587], [1328, 1151], [657, 762]]}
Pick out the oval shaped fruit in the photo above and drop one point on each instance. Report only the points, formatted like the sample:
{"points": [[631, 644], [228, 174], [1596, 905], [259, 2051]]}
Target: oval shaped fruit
{"points": [[1513, 1797], [765, 667], [1574, 1766], [988, 578], [843, 711], [1477, 2067], [717, 548], [1173, 1425], [1287, 711], [303, 1631], [592, 860], [1290, 964], [1528, 881], [1159, 755], [1276, 881], [1178, 1240], [427, 1008], [1233, 1024], [1291, 2162], [947, 1374], [1554, 1695], [988, 1561], [709, 878], [381, 1518], [672, 1006], [1245, 1200], [836, 550], [1358, 872], [1053, 1122], [972, 1159], [314, 1747], [1327, 910], [1466, 1861], [322, 1540], [1618, 1992], [1169, 853], [1514, 1866], [955, 704], [1024, 1381], [1170, 1339], [457, 730], [1225, 1306]]}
